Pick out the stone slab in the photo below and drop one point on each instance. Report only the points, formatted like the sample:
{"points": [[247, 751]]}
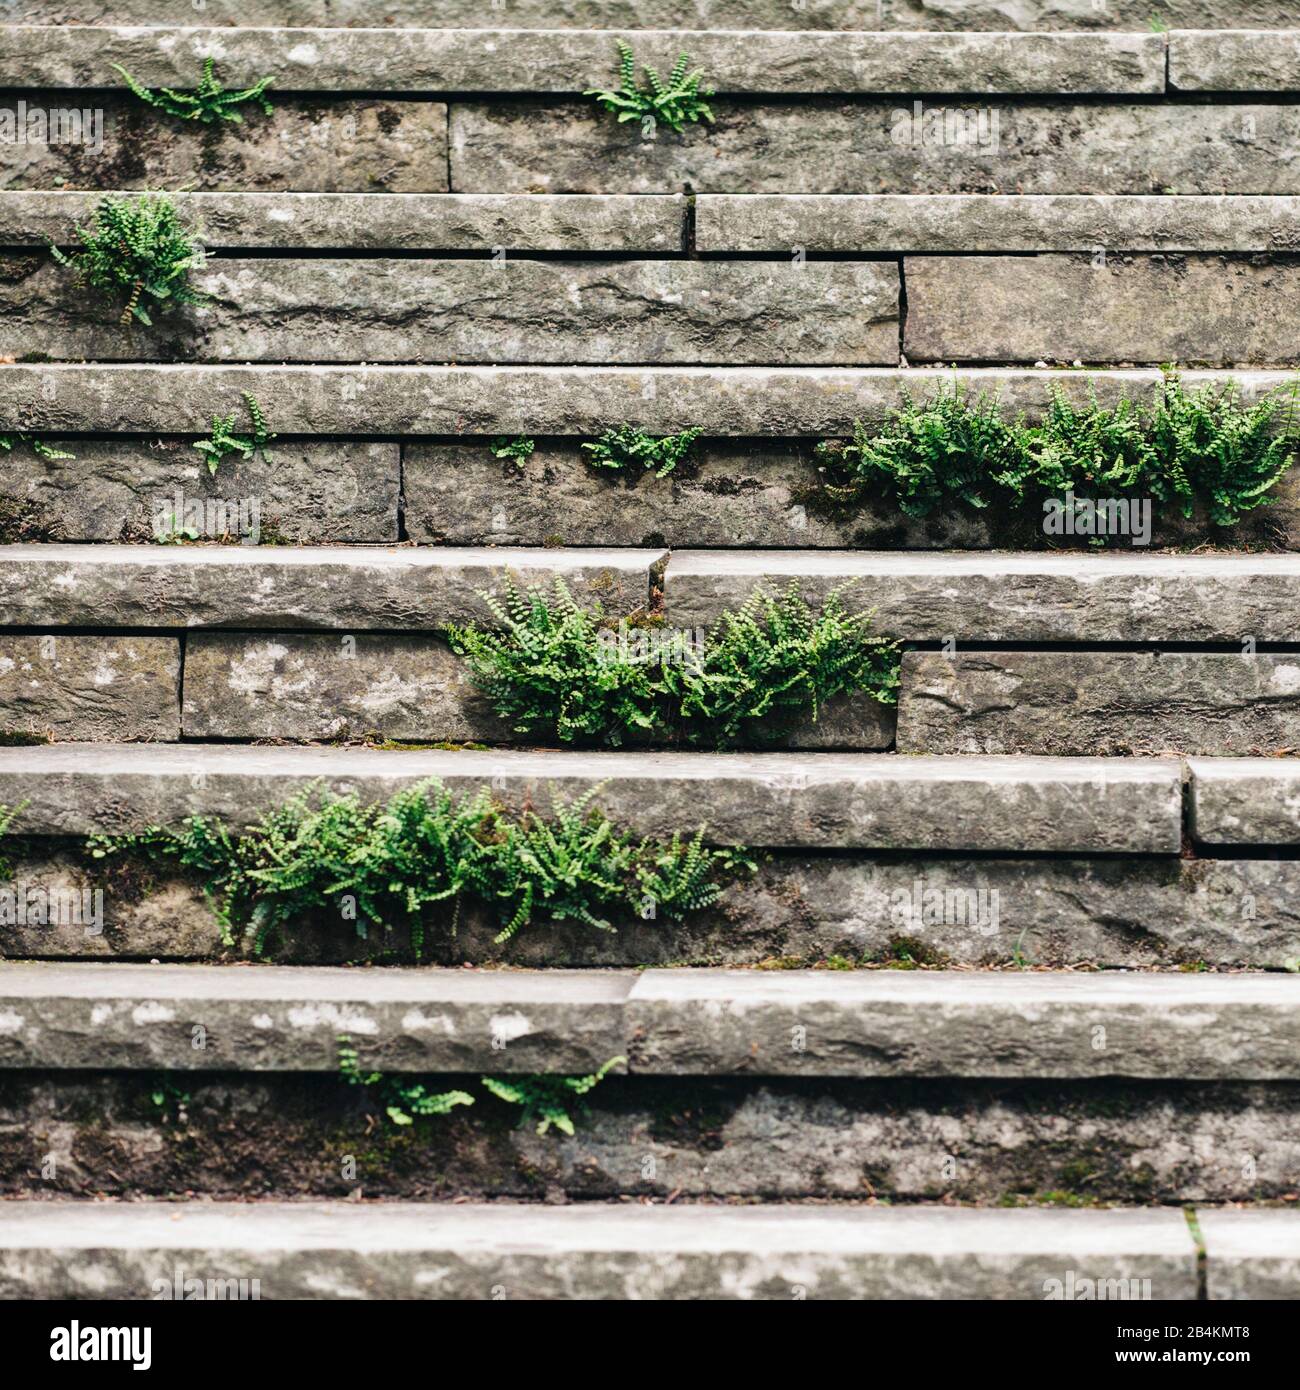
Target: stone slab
{"points": [[962, 1023], [344, 146], [1110, 703], [337, 587], [121, 489], [90, 689], [770, 800], [590, 1251], [1002, 597], [1239, 801], [1251, 1254], [562, 61], [515, 310], [991, 223], [210, 1018], [1241, 60], [820, 145], [378, 221], [570, 401]]}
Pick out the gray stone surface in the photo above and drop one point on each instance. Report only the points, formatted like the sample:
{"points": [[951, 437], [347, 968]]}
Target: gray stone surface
{"points": [[350, 146], [569, 61], [960, 911], [734, 494], [962, 1023], [1099, 702], [824, 146], [1248, 60], [121, 489], [337, 587], [1245, 801], [768, 800], [1131, 309], [477, 310], [1001, 224], [583, 401], [92, 689], [1000, 597], [593, 1251], [1252, 1254], [379, 221], [211, 1018]]}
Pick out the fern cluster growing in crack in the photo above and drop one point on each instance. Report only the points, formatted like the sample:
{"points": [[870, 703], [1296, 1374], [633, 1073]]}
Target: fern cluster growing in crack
{"points": [[381, 866], [39, 447], [223, 440], [673, 102], [137, 250], [209, 103], [629, 448]]}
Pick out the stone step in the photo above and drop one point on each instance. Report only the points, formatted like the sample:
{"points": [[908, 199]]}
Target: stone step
{"points": [[391, 221], [1251, 1254], [769, 800], [467, 1251], [86, 1016], [991, 222], [558, 61], [398, 588], [516, 310], [363, 400], [1048, 597], [1237, 801], [1243, 60], [1044, 702]]}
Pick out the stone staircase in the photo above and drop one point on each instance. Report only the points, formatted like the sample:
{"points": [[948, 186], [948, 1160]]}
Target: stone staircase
{"points": [[1007, 1008]]}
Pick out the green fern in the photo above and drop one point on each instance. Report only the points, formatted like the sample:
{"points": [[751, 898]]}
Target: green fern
{"points": [[672, 103], [403, 1101], [514, 450], [38, 446], [223, 441], [550, 1100], [629, 447], [209, 103]]}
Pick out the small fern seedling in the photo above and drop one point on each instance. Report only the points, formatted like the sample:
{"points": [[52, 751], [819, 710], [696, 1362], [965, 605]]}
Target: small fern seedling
{"points": [[512, 450], [223, 440], [39, 447], [548, 1099], [631, 448], [674, 102], [402, 1100], [209, 103]]}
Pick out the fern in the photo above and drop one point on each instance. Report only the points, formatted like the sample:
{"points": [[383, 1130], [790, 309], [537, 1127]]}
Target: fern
{"points": [[549, 1099], [672, 103], [514, 450], [403, 1101], [629, 447], [223, 441], [209, 103], [38, 446]]}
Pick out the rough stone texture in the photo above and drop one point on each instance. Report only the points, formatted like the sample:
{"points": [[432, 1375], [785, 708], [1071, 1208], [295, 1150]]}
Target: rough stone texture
{"points": [[962, 1023], [1245, 801], [582, 401], [104, 689], [336, 587], [1249, 60], [1252, 1254], [768, 800], [121, 489], [79, 1016], [1131, 15], [319, 687], [80, 1134], [1099, 702], [1132, 309], [823, 146], [460, 310], [1051, 597], [558, 61], [593, 1251], [983, 222], [732, 494], [378, 221], [859, 909], [327, 146]]}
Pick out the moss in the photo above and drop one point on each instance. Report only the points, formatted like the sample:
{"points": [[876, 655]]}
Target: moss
{"points": [[21, 738]]}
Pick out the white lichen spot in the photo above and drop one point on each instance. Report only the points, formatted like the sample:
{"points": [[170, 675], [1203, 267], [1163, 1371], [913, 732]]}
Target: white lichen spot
{"points": [[101, 1013], [262, 1021], [11, 1022], [414, 1021], [309, 1016], [509, 1026], [305, 53], [152, 1012]]}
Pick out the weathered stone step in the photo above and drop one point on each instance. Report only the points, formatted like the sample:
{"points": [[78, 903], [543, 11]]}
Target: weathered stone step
{"points": [[899, 145], [597, 1251], [994, 223], [479, 310], [772, 800], [504, 224], [1121, 309], [582, 401], [1246, 801], [1251, 1254], [83, 1134], [346, 145], [94, 1016], [569, 61], [1045, 702], [1242, 60], [1001, 597], [345, 588]]}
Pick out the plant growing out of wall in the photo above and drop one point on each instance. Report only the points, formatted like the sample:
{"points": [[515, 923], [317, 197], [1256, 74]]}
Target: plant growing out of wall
{"points": [[136, 251], [402, 1100], [209, 103], [629, 448], [39, 447], [223, 441], [514, 451], [672, 103]]}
